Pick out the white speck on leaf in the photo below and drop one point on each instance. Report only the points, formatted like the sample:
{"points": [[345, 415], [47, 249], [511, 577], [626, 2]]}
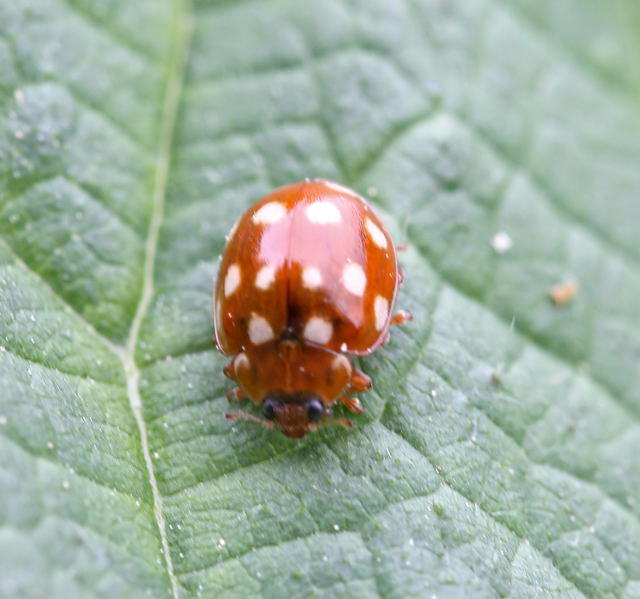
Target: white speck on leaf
{"points": [[501, 242]]}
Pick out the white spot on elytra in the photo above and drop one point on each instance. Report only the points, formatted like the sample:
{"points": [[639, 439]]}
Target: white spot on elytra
{"points": [[241, 361], [260, 330], [270, 213], [323, 212], [318, 330], [311, 277], [341, 362], [343, 347], [381, 311], [376, 234], [354, 279], [232, 280], [265, 277]]}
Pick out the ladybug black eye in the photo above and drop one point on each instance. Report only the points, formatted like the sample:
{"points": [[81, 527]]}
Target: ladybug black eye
{"points": [[315, 409], [269, 408]]}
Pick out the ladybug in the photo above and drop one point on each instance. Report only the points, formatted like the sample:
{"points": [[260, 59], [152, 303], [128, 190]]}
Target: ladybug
{"points": [[308, 277]]}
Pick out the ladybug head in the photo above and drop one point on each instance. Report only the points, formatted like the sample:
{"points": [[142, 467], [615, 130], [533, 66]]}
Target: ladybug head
{"points": [[313, 379], [294, 414]]}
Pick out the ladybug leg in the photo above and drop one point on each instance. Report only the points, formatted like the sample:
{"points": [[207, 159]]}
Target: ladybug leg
{"points": [[341, 421], [235, 394], [359, 381], [400, 275], [401, 247], [229, 371], [353, 403], [401, 316]]}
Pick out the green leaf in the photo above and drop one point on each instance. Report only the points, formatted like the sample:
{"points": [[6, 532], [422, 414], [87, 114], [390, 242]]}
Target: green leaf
{"points": [[498, 456]]}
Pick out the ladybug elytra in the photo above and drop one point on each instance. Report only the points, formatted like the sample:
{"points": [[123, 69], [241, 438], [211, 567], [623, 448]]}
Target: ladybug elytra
{"points": [[308, 277]]}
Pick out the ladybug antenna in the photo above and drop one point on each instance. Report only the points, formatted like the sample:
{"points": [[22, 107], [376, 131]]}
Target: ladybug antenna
{"points": [[247, 416], [341, 421]]}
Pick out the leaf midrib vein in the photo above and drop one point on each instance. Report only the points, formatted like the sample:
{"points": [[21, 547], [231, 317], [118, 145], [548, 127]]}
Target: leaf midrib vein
{"points": [[180, 41], [154, 227]]}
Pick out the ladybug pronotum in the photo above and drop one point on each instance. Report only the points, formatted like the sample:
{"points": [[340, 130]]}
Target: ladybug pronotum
{"points": [[308, 277]]}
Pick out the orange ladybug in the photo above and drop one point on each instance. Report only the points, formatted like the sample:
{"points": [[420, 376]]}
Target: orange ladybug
{"points": [[308, 277]]}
